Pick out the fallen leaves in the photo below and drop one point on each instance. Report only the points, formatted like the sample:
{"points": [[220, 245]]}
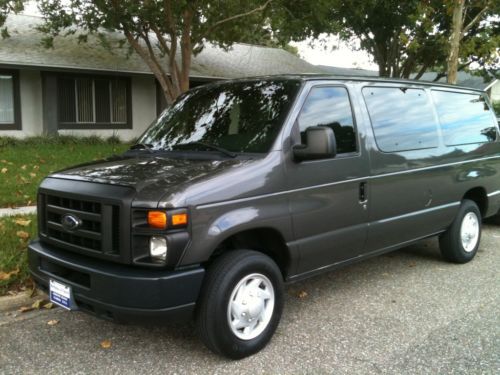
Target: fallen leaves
{"points": [[22, 222], [106, 344], [22, 234], [302, 294], [37, 305], [53, 322], [7, 275], [24, 309]]}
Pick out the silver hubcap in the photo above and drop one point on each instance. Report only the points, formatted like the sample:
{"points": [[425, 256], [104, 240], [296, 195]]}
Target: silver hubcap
{"points": [[469, 232], [251, 306]]}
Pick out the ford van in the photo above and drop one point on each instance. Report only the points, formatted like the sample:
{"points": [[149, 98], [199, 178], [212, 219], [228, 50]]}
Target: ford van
{"points": [[243, 186]]}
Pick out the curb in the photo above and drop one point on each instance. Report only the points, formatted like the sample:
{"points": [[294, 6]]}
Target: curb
{"points": [[9, 303], [17, 211]]}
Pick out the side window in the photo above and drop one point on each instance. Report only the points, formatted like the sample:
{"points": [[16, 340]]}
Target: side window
{"points": [[330, 106], [9, 101], [402, 118], [464, 118]]}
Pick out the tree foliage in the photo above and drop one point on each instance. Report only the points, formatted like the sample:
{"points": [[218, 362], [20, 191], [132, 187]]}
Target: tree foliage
{"points": [[474, 35], [404, 38], [159, 30], [6, 7]]}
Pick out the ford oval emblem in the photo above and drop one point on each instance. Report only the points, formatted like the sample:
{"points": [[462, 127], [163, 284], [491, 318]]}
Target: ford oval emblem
{"points": [[71, 222]]}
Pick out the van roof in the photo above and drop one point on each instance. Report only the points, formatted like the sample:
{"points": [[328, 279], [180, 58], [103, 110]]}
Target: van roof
{"points": [[318, 77]]}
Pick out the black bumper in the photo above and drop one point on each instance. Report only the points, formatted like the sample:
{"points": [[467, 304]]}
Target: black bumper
{"points": [[118, 292]]}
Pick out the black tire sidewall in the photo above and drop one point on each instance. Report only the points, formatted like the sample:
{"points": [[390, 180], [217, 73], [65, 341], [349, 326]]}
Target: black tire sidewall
{"points": [[451, 246], [224, 283]]}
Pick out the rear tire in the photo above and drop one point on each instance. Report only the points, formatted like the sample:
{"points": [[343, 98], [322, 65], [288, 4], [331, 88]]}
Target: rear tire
{"points": [[460, 242], [241, 303]]}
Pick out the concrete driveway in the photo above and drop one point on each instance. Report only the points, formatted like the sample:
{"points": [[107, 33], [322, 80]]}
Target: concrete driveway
{"points": [[403, 313]]}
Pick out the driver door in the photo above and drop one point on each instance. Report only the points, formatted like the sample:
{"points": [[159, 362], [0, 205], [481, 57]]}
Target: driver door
{"points": [[328, 203]]}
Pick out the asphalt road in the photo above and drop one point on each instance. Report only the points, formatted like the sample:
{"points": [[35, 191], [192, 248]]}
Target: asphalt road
{"points": [[407, 312]]}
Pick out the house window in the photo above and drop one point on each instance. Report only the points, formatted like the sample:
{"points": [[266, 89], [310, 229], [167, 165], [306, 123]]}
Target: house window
{"points": [[10, 116], [94, 103]]}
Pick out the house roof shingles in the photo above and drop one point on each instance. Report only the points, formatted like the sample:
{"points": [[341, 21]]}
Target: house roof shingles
{"points": [[24, 48]]}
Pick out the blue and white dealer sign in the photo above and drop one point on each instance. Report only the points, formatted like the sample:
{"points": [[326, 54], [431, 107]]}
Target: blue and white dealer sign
{"points": [[60, 294]]}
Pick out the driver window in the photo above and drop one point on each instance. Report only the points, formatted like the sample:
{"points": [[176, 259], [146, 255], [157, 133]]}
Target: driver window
{"points": [[330, 106]]}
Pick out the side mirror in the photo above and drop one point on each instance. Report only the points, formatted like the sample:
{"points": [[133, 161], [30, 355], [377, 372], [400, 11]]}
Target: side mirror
{"points": [[321, 144]]}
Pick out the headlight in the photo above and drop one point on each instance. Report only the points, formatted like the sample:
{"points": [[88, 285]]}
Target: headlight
{"points": [[158, 248]]}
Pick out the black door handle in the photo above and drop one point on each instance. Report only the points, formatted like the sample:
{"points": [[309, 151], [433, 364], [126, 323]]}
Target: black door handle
{"points": [[362, 192]]}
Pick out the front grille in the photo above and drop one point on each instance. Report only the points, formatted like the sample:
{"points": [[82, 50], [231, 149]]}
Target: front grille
{"points": [[99, 229]]}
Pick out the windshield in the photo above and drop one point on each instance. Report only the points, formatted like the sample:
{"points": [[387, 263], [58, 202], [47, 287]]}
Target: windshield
{"points": [[241, 116]]}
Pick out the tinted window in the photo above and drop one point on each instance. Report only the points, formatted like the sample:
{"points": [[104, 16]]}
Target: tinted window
{"points": [[402, 118], [330, 106], [87, 100], [243, 116], [464, 118]]}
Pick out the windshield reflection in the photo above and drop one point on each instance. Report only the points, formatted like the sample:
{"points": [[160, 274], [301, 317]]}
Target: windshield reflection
{"points": [[241, 116]]}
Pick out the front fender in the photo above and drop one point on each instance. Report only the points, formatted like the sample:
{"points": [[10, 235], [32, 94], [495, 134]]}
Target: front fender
{"points": [[214, 223]]}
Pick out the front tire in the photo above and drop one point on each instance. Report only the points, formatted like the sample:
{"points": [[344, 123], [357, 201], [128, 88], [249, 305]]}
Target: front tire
{"points": [[241, 303], [460, 242]]}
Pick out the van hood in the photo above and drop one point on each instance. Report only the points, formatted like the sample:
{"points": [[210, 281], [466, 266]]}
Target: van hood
{"points": [[150, 176]]}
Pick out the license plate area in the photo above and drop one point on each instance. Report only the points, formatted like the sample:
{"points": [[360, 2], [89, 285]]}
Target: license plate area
{"points": [[61, 294], [55, 270]]}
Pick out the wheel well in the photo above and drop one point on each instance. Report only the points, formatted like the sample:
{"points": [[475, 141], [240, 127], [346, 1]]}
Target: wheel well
{"points": [[478, 195], [265, 240]]}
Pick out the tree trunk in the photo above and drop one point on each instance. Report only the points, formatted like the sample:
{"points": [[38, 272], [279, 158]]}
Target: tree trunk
{"points": [[456, 36]]}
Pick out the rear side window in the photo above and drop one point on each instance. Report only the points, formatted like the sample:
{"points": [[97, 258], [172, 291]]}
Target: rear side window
{"points": [[402, 118], [464, 118], [330, 106]]}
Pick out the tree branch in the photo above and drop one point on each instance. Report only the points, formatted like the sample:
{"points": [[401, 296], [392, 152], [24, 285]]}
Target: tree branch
{"points": [[186, 47], [174, 68], [161, 40], [153, 65], [474, 21], [169, 18], [459, 69], [421, 71], [237, 16], [170, 52]]}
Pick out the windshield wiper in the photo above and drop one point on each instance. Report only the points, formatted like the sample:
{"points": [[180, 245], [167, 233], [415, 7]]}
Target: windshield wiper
{"points": [[141, 146], [210, 147]]}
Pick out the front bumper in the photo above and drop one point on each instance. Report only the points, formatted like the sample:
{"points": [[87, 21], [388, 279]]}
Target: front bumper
{"points": [[115, 291]]}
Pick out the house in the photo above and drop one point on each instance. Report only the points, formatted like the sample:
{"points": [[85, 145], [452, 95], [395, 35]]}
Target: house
{"points": [[465, 79], [83, 89]]}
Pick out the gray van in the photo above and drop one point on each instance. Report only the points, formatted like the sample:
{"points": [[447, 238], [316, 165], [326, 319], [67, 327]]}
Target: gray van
{"points": [[243, 186]]}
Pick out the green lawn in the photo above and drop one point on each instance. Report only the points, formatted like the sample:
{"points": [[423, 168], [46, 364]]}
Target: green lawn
{"points": [[23, 164], [15, 233]]}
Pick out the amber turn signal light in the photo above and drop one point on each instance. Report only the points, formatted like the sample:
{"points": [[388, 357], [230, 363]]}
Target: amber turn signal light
{"points": [[179, 219], [157, 219]]}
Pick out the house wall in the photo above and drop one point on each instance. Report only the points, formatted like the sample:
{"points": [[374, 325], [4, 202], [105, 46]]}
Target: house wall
{"points": [[143, 111], [143, 91], [30, 87]]}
